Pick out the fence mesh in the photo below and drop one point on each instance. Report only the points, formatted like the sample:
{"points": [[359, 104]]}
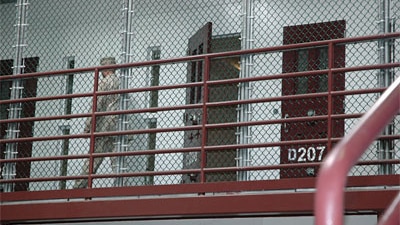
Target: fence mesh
{"points": [[61, 35]]}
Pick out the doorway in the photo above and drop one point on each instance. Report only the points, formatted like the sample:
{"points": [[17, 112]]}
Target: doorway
{"points": [[203, 42], [28, 110]]}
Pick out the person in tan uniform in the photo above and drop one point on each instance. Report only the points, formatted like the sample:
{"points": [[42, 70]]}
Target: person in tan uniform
{"points": [[103, 144]]}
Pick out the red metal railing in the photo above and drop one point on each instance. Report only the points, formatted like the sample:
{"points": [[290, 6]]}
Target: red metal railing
{"points": [[259, 186], [333, 175]]}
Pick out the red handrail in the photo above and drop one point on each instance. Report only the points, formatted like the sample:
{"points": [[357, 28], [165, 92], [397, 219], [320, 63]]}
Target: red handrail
{"points": [[392, 214], [329, 199]]}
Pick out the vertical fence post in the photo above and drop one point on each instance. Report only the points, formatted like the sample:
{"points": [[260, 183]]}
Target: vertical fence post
{"points": [[154, 81], [331, 61], [122, 144], [65, 126], [93, 128], [385, 78], [206, 90], [9, 170], [244, 110]]}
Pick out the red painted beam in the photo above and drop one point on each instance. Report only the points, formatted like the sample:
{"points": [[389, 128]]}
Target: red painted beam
{"points": [[189, 207], [218, 187]]}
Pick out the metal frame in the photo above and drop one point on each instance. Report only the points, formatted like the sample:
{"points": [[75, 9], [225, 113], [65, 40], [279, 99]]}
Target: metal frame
{"points": [[386, 76], [16, 92], [244, 110], [368, 194], [213, 206]]}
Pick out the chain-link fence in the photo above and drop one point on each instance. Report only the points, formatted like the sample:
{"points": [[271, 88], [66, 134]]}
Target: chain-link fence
{"points": [[89, 30], [60, 35]]}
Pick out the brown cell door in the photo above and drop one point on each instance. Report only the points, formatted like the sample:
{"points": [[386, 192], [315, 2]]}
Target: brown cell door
{"points": [[308, 60], [199, 43], [28, 110], [5, 69]]}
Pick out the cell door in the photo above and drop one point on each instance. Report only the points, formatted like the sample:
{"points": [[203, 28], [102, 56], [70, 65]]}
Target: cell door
{"points": [[199, 43], [28, 110], [308, 60]]}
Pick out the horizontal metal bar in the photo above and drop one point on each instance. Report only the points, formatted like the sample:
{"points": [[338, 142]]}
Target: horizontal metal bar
{"points": [[181, 107], [195, 206], [212, 55], [192, 171], [283, 184], [183, 150]]}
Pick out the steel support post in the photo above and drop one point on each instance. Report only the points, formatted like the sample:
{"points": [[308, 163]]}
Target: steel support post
{"points": [[9, 169], [122, 142], [244, 110], [385, 78]]}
